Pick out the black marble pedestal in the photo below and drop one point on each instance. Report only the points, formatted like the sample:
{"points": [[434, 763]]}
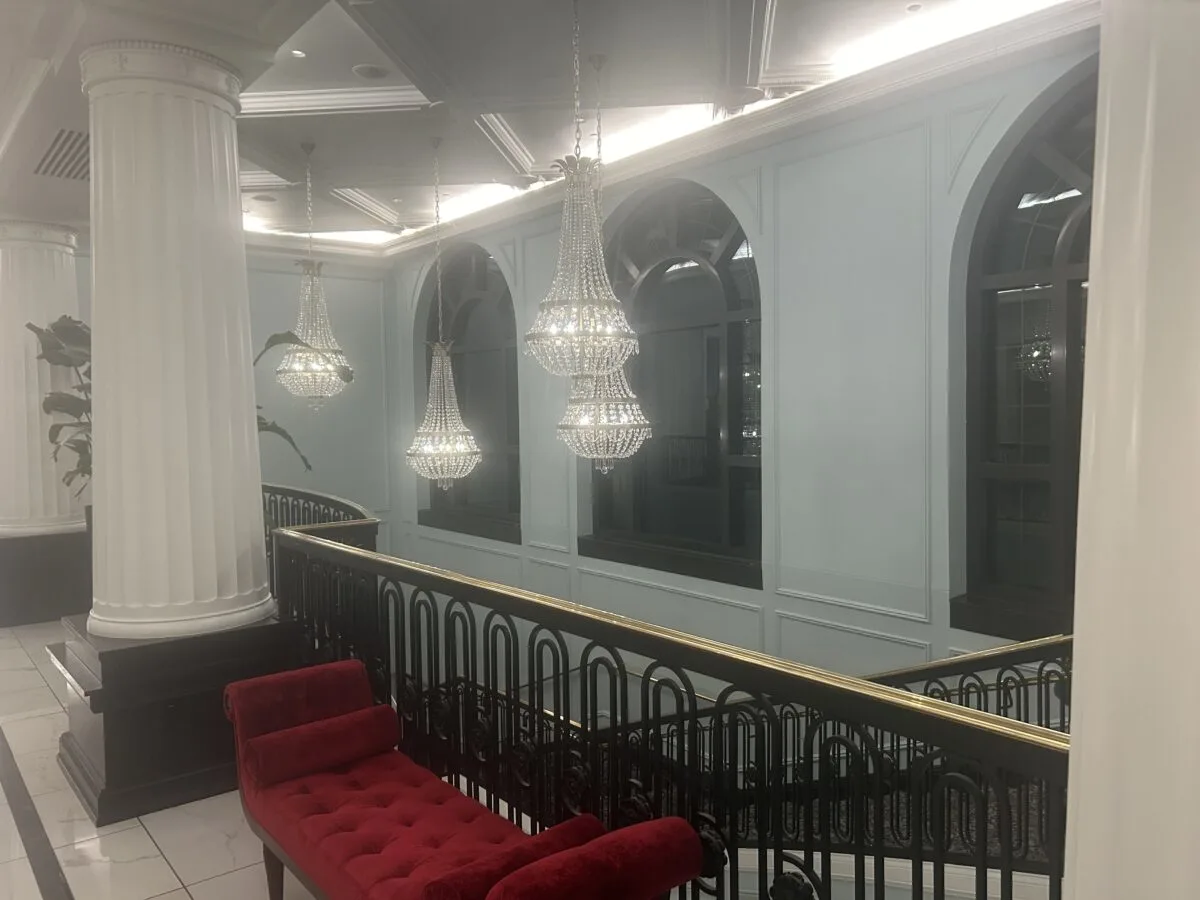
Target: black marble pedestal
{"points": [[44, 577], [147, 724]]}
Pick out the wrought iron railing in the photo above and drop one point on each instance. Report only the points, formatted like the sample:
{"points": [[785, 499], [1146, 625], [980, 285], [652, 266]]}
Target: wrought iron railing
{"points": [[816, 784], [1029, 682], [288, 507]]}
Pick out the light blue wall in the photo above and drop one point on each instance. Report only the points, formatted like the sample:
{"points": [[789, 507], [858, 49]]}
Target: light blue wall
{"points": [[853, 227]]}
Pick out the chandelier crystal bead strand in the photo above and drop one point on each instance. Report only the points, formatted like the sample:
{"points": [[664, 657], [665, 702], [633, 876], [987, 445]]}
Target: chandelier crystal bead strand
{"points": [[603, 421], [320, 370], [444, 448], [580, 328]]}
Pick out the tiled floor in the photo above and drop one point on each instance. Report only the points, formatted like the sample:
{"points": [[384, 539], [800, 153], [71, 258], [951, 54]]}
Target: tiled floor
{"points": [[199, 851]]}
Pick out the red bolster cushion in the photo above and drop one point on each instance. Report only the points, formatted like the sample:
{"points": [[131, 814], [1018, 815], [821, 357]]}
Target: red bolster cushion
{"points": [[475, 879], [319, 746], [287, 699], [641, 862]]}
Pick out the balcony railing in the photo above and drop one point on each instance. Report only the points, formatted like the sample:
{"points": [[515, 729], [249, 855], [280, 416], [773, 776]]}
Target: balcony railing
{"points": [[288, 507], [1029, 682], [815, 784]]}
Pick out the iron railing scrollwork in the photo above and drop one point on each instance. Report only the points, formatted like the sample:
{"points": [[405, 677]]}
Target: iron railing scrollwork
{"points": [[1029, 682], [809, 784], [288, 507]]}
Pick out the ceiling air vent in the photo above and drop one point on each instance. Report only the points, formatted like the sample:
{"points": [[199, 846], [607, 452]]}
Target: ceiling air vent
{"points": [[66, 157]]}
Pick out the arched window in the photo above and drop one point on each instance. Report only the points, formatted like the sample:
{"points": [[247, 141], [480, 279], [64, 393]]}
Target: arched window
{"points": [[1026, 309], [479, 320], [690, 501]]}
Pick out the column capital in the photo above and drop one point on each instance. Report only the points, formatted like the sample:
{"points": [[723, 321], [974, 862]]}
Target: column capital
{"points": [[156, 61], [12, 231]]}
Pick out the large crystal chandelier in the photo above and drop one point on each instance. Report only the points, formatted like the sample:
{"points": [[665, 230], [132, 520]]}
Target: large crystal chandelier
{"points": [[580, 328], [443, 448], [318, 371], [603, 421]]}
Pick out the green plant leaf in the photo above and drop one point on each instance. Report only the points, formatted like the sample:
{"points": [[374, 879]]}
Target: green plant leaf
{"points": [[52, 350], [280, 339], [266, 426], [68, 404], [66, 342]]}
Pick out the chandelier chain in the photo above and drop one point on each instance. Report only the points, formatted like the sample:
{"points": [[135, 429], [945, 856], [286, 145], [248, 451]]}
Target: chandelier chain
{"points": [[598, 62], [437, 235], [578, 115], [308, 201]]}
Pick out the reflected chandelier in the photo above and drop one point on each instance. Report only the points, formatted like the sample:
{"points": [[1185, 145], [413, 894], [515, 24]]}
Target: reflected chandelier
{"points": [[603, 421], [580, 328], [443, 448], [318, 371]]}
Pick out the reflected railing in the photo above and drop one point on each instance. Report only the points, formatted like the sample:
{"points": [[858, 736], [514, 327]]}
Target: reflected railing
{"points": [[813, 784], [1029, 682]]}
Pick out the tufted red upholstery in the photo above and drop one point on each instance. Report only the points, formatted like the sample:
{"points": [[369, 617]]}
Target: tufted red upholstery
{"points": [[316, 746], [287, 699], [636, 863]]}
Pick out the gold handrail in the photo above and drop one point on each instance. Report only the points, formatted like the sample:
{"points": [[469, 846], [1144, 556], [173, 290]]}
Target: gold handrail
{"points": [[977, 657], [895, 697]]}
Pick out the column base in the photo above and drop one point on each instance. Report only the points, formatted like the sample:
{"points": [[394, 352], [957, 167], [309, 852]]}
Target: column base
{"points": [[44, 577], [233, 613], [43, 527], [147, 726]]}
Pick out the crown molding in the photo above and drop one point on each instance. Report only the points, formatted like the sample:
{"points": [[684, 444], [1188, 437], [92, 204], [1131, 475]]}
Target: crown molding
{"points": [[266, 245], [329, 101], [506, 141], [1072, 25], [368, 205]]}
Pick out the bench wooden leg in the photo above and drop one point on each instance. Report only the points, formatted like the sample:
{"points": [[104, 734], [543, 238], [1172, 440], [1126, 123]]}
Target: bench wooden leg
{"points": [[274, 866]]}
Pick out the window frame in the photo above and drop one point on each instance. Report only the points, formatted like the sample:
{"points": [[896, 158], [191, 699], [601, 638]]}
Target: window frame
{"points": [[452, 510], [725, 562], [992, 607]]}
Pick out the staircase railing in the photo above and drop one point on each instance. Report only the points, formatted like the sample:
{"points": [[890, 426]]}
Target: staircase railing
{"points": [[288, 507], [1029, 682], [814, 784]]}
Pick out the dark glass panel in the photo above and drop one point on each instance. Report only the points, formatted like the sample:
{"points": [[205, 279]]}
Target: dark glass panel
{"points": [[1019, 537]]}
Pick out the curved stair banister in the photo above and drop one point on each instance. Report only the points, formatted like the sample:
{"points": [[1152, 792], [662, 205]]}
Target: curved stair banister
{"points": [[1028, 681], [541, 708]]}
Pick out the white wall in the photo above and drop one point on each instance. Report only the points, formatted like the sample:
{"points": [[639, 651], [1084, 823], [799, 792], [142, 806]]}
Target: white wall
{"points": [[853, 227]]}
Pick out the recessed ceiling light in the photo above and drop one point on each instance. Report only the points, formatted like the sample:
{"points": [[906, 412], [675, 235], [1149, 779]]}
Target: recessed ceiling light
{"points": [[264, 198], [299, 54], [370, 71], [913, 7]]}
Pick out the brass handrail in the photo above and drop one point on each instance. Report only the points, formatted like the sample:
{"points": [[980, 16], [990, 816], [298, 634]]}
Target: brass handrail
{"points": [[1033, 735], [979, 656]]}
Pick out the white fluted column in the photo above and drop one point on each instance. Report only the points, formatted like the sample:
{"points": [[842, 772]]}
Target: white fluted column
{"points": [[177, 508], [37, 284], [1133, 828]]}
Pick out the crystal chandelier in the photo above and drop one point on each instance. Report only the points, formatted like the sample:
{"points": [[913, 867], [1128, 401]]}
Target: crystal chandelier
{"points": [[603, 421], [318, 371], [580, 328], [443, 448]]}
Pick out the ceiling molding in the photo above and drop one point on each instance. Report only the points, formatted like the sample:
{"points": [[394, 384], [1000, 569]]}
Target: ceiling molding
{"points": [[330, 101], [261, 180], [506, 141], [365, 203], [1072, 25], [800, 77]]}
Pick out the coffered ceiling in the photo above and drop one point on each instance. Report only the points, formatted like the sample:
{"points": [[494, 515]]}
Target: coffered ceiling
{"points": [[372, 82]]}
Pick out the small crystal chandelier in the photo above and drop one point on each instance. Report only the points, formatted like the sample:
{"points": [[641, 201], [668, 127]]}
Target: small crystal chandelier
{"points": [[318, 371], [580, 328], [1036, 358], [443, 448], [603, 421]]}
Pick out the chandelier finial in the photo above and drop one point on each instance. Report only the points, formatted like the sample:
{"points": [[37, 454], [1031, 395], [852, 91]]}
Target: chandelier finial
{"points": [[319, 370], [444, 448]]}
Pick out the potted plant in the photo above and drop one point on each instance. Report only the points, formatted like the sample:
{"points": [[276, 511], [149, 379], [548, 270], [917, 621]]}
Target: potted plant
{"points": [[67, 342]]}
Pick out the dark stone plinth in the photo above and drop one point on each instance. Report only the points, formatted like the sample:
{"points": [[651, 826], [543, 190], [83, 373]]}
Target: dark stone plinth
{"points": [[147, 721], [44, 577]]}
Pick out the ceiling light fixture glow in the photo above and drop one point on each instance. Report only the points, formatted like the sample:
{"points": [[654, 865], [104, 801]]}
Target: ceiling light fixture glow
{"points": [[299, 54], [934, 26], [658, 129]]}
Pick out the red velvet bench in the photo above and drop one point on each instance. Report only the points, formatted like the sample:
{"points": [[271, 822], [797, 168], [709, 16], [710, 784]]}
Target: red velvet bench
{"points": [[353, 818]]}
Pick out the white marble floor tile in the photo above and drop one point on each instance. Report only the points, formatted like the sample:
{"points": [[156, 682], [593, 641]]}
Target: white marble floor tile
{"points": [[23, 704], [35, 733], [14, 681], [13, 656], [36, 637], [121, 866], [41, 771], [181, 894], [206, 838], [249, 883], [54, 679], [17, 881], [10, 842], [67, 822]]}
